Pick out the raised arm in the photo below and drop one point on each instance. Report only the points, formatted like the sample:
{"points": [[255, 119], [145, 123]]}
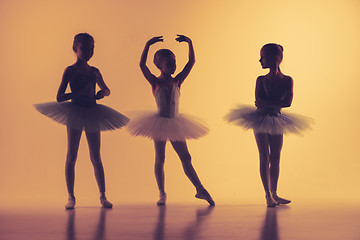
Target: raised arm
{"points": [[185, 72], [145, 70], [285, 100]]}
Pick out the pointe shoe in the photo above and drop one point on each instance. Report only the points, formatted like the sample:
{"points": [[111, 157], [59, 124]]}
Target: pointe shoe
{"points": [[202, 193], [71, 203], [280, 200], [162, 199], [270, 202], [105, 203]]}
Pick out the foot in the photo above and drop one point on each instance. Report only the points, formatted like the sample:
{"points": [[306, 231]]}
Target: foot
{"points": [[202, 193], [71, 203], [105, 203], [270, 202], [280, 200], [162, 199]]}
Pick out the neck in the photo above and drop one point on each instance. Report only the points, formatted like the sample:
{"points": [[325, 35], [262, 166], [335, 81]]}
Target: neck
{"points": [[165, 76], [81, 62], [274, 71]]}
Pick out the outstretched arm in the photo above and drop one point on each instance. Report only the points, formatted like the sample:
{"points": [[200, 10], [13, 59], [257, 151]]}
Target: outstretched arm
{"points": [[145, 70], [185, 72]]}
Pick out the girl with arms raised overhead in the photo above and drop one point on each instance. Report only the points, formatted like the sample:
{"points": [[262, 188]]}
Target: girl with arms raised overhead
{"points": [[167, 124]]}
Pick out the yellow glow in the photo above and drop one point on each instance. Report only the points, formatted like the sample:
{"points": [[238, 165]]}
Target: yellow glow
{"points": [[321, 52]]}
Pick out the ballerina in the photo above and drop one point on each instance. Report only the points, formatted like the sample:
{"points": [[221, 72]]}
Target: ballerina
{"points": [[273, 92], [83, 113], [167, 124]]}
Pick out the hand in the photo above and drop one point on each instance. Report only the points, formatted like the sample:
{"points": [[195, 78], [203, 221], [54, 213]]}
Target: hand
{"points": [[100, 94], [183, 38], [155, 40]]}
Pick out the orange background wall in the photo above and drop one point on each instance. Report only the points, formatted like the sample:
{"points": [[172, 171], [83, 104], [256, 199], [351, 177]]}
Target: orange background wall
{"points": [[321, 41]]}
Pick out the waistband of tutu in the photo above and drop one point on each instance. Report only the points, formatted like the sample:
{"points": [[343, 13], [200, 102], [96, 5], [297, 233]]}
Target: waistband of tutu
{"points": [[82, 102], [270, 111], [167, 114]]}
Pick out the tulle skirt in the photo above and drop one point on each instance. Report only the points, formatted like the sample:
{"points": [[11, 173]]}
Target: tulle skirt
{"points": [[180, 128], [273, 123], [91, 119]]}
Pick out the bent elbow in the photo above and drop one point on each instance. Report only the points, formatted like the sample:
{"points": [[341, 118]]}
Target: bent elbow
{"points": [[288, 104]]}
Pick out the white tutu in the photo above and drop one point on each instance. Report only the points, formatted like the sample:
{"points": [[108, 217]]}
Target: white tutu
{"points": [[179, 128], [273, 123], [91, 119]]}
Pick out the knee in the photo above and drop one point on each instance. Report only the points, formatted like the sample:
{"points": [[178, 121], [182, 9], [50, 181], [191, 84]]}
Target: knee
{"points": [[275, 158], [71, 158], [264, 164], [185, 158], [275, 164], [159, 158], [95, 159]]}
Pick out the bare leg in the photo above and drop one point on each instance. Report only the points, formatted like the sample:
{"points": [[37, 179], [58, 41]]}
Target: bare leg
{"points": [[159, 164], [93, 139], [276, 142], [73, 146], [185, 157], [263, 144], [262, 141]]}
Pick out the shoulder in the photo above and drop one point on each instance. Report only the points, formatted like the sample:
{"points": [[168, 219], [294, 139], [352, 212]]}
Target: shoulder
{"points": [[260, 79], [70, 71], [288, 80], [95, 70]]}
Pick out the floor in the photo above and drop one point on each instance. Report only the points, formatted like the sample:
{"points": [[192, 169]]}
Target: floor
{"points": [[308, 222]]}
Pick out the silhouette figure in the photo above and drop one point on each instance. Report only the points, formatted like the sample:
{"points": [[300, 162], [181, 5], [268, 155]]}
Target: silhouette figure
{"points": [[83, 113], [167, 123], [273, 92]]}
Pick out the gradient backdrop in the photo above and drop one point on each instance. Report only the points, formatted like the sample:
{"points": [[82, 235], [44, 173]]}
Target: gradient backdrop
{"points": [[321, 41]]}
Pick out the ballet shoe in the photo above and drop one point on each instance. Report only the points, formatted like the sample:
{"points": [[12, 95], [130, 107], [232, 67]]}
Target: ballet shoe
{"points": [[202, 193], [71, 203], [105, 203], [270, 202], [280, 200], [162, 199]]}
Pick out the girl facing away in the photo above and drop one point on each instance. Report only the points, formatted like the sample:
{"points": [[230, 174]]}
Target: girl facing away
{"points": [[83, 112], [273, 92], [167, 124]]}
